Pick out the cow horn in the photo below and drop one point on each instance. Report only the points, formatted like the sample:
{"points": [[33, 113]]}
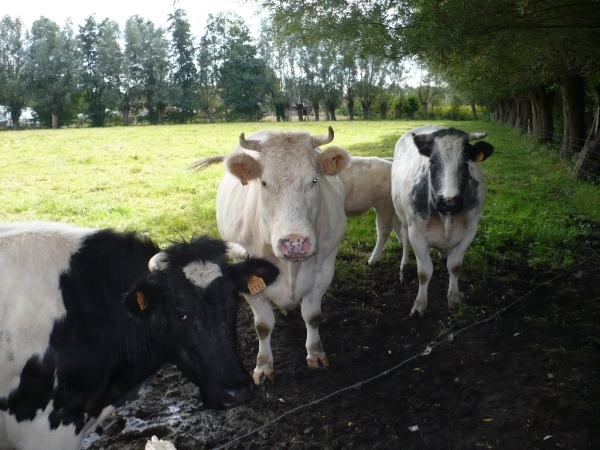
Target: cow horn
{"points": [[157, 262], [475, 136], [249, 145], [236, 251], [322, 139]]}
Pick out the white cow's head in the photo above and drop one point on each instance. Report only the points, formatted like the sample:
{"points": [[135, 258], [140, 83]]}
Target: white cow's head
{"points": [[450, 154], [289, 166]]}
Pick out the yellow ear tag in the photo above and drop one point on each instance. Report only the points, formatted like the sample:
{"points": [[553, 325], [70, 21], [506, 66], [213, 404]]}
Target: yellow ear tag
{"points": [[479, 157], [256, 285], [141, 300]]}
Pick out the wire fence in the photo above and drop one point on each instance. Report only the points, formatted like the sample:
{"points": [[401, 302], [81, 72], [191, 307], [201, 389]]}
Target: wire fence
{"points": [[426, 351]]}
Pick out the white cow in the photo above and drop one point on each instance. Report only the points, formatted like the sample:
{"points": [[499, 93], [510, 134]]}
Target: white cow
{"points": [[281, 199], [438, 191], [367, 182]]}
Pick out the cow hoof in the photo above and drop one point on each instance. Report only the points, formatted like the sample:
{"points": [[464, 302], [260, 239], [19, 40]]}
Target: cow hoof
{"points": [[259, 376], [313, 362], [414, 312]]}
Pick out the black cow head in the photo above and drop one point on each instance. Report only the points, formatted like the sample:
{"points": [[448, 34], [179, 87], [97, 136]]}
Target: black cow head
{"points": [[450, 154], [191, 300]]}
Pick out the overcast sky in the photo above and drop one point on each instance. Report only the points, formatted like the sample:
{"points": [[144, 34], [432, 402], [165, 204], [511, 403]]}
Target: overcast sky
{"points": [[120, 10]]}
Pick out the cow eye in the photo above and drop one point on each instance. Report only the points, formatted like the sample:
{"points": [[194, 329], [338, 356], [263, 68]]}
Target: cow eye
{"points": [[264, 183], [181, 315], [315, 180]]}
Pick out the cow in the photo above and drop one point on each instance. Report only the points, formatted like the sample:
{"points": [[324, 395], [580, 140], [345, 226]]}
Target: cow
{"points": [[87, 316], [282, 200], [438, 192], [367, 182]]}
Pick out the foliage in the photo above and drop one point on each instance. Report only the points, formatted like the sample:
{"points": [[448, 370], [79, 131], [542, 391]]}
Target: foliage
{"points": [[101, 59], [13, 85], [52, 71], [184, 74]]}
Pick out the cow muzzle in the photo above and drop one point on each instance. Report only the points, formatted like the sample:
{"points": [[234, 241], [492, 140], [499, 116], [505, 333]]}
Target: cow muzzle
{"points": [[296, 247], [449, 205]]}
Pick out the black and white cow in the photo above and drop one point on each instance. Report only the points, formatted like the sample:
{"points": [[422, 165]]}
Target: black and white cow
{"points": [[438, 192], [86, 316]]}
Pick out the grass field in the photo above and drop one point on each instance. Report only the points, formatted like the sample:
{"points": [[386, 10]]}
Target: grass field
{"points": [[136, 179]]}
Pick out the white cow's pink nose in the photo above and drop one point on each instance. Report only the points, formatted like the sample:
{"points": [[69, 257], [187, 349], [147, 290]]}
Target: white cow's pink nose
{"points": [[295, 246]]}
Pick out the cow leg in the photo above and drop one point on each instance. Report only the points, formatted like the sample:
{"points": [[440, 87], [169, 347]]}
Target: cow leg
{"points": [[424, 268], [454, 263], [405, 256], [311, 313], [383, 222], [264, 321]]}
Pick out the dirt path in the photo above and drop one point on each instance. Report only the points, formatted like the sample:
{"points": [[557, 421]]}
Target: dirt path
{"points": [[528, 379]]}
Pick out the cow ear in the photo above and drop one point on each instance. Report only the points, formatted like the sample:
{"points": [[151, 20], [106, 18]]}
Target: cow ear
{"points": [[142, 298], [333, 160], [424, 143], [480, 151], [250, 275], [243, 166]]}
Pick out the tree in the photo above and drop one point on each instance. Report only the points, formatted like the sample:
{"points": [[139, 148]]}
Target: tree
{"points": [[132, 72], [13, 85], [245, 79], [51, 70], [184, 73], [101, 68]]}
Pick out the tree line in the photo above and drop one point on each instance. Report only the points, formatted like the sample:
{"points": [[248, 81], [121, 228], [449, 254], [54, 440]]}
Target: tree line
{"points": [[99, 73], [535, 63]]}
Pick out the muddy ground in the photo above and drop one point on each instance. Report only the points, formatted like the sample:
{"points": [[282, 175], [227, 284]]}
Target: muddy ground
{"points": [[527, 379]]}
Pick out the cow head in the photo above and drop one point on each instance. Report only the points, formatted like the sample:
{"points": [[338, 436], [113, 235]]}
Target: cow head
{"points": [[450, 155], [288, 167], [190, 299]]}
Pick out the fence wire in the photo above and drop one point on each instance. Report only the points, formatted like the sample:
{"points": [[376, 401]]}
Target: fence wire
{"points": [[425, 352]]}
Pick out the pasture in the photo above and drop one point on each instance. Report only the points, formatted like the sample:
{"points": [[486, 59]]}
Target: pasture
{"points": [[526, 378]]}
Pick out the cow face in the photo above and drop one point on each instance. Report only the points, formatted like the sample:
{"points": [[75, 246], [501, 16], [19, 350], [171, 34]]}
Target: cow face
{"points": [[450, 154], [191, 300], [288, 166]]}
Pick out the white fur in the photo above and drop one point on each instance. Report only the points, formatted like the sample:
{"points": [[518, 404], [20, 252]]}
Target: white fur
{"points": [[32, 257], [367, 182], [259, 216], [451, 234], [202, 273]]}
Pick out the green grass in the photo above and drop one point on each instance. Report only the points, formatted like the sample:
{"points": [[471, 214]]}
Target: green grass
{"points": [[135, 179]]}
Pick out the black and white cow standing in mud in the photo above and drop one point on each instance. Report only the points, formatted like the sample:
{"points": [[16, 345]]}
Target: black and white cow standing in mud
{"points": [[438, 192], [87, 316]]}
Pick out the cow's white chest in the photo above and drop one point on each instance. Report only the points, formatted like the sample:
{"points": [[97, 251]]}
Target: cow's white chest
{"points": [[297, 281], [445, 233]]}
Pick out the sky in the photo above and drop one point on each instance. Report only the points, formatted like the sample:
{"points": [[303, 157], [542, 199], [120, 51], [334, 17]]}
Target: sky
{"points": [[120, 10]]}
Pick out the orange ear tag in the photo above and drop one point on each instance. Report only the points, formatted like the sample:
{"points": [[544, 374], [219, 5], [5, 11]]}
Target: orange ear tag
{"points": [[256, 285], [479, 157], [141, 300]]}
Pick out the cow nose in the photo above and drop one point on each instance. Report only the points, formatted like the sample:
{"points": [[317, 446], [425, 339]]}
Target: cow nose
{"points": [[295, 246], [238, 396], [449, 205]]}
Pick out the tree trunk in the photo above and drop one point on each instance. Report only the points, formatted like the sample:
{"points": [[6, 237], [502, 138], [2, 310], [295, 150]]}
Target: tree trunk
{"points": [[542, 102], [210, 115], [525, 116], [15, 115], [366, 106], [383, 107], [351, 108], [299, 107], [424, 109], [474, 111], [588, 164], [330, 107], [54, 120], [125, 115], [573, 95], [286, 112], [160, 110], [316, 110]]}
